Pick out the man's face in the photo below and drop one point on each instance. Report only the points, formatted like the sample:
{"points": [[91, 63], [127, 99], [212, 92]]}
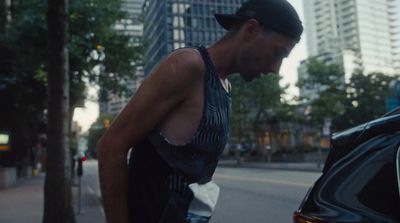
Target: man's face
{"points": [[262, 54]]}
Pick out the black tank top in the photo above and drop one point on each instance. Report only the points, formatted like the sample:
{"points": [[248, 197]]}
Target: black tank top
{"points": [[160, 172], [198, 158]]}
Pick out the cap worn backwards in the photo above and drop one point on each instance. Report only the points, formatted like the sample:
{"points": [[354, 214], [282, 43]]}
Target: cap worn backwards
{"points": [[277, 15]]}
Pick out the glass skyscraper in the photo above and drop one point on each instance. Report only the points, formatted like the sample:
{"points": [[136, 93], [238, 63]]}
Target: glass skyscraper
{"points": [[133, 25], [172, 24]]}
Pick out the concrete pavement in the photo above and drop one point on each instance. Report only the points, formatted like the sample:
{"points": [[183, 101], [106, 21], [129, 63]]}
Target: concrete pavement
{"points": [[23, 203], [91, 207]]}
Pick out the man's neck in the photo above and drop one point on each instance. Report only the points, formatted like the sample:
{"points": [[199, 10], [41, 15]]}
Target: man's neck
{"points": [[223, 56]]}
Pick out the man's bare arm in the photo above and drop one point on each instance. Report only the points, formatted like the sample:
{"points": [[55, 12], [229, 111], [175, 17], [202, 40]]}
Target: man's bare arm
{"points": [[169, 85]]}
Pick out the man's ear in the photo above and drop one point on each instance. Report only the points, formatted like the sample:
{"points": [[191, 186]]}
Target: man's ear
{"points": [[252, 27]]}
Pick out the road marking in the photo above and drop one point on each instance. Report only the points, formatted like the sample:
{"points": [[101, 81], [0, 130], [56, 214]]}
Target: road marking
{"points": [[93, 192], [253, 179]]}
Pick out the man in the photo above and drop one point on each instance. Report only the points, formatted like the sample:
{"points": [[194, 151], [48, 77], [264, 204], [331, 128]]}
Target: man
{"points": [[177, 122]]}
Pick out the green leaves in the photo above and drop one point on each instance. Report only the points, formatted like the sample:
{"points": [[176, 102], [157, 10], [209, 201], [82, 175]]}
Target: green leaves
{"points": [[327, 89], [348, 104], [366, 97], [97, 51], [254, 106]]}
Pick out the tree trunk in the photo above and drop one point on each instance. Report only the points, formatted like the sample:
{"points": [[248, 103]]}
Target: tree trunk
{"points": [[58, 206]]}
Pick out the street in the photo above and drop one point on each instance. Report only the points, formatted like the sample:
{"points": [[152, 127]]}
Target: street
{"points": [[247, 194], [260, 195]]}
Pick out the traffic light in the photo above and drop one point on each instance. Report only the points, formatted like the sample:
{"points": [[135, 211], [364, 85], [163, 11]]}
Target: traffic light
{"points": [[106, 123]]}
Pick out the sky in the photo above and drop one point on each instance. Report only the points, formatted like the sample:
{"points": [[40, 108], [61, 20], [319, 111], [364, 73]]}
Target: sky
{"points": [[289, 66], [87, 115]]}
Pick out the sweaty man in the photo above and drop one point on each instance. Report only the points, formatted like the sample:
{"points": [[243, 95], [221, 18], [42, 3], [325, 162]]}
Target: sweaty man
{"points": [[177, 123]]}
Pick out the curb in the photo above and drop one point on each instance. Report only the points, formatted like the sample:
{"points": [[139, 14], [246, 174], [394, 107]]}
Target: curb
{"points": [[274, 166]]}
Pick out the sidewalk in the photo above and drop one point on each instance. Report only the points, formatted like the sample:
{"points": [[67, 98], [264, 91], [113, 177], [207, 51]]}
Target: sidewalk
{"points": [[23, 203], [280, 166], [91, 209]]}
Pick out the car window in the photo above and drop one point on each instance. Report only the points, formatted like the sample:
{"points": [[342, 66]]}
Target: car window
{"points": [[380, 192]]}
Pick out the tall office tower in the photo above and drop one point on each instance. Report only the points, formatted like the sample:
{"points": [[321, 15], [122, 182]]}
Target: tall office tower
{"points": [[363, 29], [395, 23], [132, 27], [171, 24]]}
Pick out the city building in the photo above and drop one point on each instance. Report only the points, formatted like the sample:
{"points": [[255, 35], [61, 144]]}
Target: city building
{"points": [[366, 27], [133, 26], [395, 21], [115, 102], [355, 34], [172, 24]]}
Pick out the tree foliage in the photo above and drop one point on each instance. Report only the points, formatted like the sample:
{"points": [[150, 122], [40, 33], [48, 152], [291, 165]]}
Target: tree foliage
{"points": [[348, 104], [98, 53], [365, 101], [329, 91], [21, 94], [256, 108], [241, 109]]}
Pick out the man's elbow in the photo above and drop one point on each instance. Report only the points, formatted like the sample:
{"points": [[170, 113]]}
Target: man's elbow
{"points": [[110, 148]]}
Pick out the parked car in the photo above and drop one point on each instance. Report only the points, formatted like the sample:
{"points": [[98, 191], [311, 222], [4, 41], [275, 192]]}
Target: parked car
{"points": [[361, 179]]}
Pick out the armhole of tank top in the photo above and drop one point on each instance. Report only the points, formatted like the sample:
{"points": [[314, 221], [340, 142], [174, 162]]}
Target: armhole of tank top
{"points": [[157, 133], [196, 50]]}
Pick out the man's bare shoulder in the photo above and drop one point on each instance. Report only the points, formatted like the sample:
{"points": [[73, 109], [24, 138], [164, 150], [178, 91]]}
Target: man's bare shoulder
{"points": [[176, 77], [185, 63]]}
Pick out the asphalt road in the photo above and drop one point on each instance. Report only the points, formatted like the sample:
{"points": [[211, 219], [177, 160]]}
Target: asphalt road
{"points": [[246, 195], [260, 195]]}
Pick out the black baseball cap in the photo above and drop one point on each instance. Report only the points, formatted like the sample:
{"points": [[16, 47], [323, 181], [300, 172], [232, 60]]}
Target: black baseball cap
{"points": [[277, 15]]}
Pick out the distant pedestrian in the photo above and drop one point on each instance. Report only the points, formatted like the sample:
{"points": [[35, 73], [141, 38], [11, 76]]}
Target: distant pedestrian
{"points": [[177, 123], [41, 153]]}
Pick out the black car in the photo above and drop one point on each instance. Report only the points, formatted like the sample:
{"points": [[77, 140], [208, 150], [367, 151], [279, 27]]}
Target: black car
{"points": [[361, 179]]}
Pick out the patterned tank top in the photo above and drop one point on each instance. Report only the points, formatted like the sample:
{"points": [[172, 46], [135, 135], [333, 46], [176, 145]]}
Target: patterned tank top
{"points": [[198, 158], [172, 183]]}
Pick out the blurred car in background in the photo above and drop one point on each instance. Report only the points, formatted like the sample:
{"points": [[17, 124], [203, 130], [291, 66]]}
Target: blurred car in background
{"points": [[361, 179]]}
